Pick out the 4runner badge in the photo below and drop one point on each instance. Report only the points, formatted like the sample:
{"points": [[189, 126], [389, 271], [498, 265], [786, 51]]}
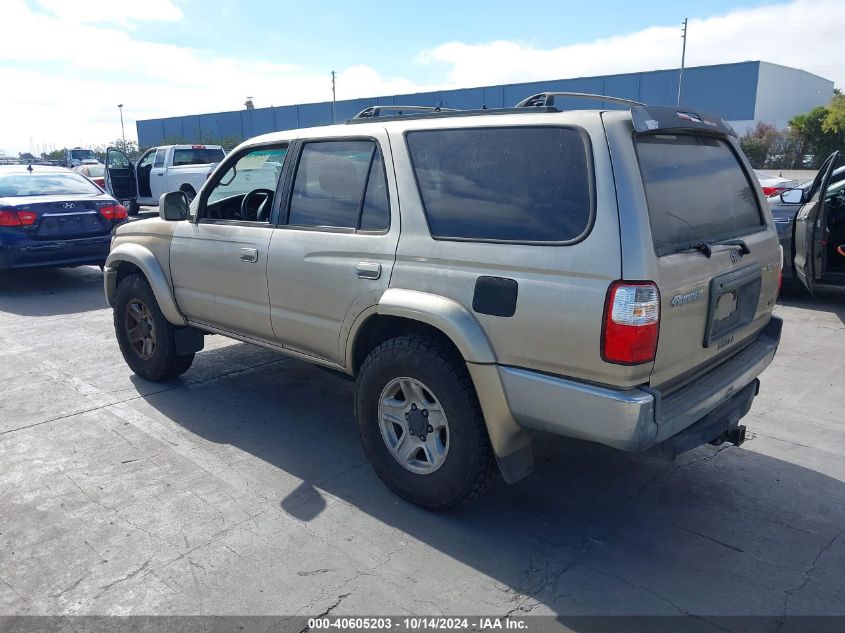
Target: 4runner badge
{"points": [[679, 300]]}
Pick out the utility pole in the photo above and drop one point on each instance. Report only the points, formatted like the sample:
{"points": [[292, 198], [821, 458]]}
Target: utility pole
{"points": [[122, 134], [683, 59], [333, 95]]}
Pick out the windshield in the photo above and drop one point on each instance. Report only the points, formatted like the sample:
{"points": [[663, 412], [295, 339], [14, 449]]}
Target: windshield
{"points": [[82, 153], [35, 184], [696, 190]]}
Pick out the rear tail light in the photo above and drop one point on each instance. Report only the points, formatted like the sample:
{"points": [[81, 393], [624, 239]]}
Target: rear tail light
{"points": [[9, 218], [772, 191], [114, 212], [100, 182], [631, 323], [27, 218], [12, 217]]}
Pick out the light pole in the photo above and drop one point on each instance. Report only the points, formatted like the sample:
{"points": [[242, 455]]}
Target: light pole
{"points": [[683, 60], [333, 96], [122, 134]]}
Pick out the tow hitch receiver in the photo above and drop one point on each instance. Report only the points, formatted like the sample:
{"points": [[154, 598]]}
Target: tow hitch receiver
{"points": [[717, 427], [735, 436]]}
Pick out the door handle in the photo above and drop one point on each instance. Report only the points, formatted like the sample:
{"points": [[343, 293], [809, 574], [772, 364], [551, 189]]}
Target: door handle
{"points": [[249, 255], [368, 270]]}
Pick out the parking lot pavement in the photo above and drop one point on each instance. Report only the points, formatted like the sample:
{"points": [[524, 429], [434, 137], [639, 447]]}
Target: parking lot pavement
{"points": [[242, 489]]}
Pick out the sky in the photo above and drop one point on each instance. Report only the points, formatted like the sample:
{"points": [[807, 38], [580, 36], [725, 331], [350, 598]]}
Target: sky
{"points": [[65, 65]]}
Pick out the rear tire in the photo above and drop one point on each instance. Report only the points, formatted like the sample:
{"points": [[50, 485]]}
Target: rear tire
{"points": [[454, 462], [146, 338]]}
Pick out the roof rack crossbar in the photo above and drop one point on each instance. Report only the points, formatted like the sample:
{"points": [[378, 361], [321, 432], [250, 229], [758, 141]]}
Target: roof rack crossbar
{"points": [[545, 99], [376, 111]]}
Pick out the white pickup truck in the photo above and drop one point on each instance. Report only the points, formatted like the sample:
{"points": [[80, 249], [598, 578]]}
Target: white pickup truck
{"points": [[159, 170]]}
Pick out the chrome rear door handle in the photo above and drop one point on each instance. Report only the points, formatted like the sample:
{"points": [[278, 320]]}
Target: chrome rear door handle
{"points": [[368, 270], [249, 255]]}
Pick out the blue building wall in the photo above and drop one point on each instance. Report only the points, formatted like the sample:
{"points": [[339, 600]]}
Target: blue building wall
{"points": [[729, 90]]}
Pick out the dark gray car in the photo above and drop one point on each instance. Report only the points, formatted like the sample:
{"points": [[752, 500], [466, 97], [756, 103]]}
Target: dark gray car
{"points": [[785, 208]]}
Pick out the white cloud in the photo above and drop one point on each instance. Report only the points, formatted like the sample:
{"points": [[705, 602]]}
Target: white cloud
{"points": [[805, 34], [115, 11], [67, 99]]}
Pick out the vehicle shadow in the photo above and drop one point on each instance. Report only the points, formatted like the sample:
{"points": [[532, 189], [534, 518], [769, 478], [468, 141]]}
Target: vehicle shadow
{"points": [[826, 299], [719, 531], [52, 291]]}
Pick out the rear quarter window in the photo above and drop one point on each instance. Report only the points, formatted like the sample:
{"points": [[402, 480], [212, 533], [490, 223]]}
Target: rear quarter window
{"points": [[696, 189], [512, 184]]}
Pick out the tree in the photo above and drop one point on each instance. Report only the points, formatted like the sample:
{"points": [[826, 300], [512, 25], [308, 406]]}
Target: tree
{"points": [[760, 144], [834, 120], [822, 129], [56, 154]]}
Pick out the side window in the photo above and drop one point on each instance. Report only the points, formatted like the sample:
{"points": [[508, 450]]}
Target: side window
{"points": [[340, 184], [515, 184], [115, 159], [375, 215], [147, 159], [329, 183], [159, 159], [246, 189]]}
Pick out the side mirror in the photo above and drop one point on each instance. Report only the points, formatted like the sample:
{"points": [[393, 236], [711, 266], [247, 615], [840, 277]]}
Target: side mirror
{"points": [[792, 196], [173, 206]]}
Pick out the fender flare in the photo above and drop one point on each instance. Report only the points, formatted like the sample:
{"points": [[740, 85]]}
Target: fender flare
{"points": [[147, 263], [447, 315], [511, 443]]}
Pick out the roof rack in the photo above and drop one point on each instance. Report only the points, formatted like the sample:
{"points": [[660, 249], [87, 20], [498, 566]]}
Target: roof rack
{"points": [[547, 99], [428, 113], [399, 110]]}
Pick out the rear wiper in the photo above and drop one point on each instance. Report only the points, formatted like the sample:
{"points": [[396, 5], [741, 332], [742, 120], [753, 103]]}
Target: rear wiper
{"points": [[707, 250]]}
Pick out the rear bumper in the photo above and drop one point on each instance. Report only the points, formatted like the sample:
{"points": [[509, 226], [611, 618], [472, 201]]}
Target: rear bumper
{"points": [[638, 419], [73, 252]]}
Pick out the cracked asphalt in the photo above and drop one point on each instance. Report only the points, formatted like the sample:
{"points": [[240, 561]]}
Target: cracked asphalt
{"points": [[241, 488]]}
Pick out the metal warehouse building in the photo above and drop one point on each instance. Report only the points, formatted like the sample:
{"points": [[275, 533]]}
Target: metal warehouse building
{"points": [[743, 93]]}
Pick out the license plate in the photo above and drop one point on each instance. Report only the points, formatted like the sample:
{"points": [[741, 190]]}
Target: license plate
{"points": [[733, 303]]}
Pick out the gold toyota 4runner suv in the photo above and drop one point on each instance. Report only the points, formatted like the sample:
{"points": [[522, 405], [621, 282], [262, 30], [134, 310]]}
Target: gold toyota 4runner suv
{"points": [[485, 276]]}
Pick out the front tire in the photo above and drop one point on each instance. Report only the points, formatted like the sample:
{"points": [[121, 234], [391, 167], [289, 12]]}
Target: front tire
{"points": [[133, 208], [189, 192], [146, 338], [421, 425]]}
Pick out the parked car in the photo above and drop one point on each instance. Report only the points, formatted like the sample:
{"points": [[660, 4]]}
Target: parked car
{"points": [[52, 216], [95, 173], [159, 170], [772, 185], [77, 156], [825, 255], [482, 275]]}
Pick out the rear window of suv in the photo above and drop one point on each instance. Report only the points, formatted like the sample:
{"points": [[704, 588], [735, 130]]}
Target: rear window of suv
{"points": [[197, 156], [696, 190], [512, 184]]}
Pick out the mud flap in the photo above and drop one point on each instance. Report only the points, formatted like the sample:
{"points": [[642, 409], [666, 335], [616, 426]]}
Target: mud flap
{"points": [[189, 340]]}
